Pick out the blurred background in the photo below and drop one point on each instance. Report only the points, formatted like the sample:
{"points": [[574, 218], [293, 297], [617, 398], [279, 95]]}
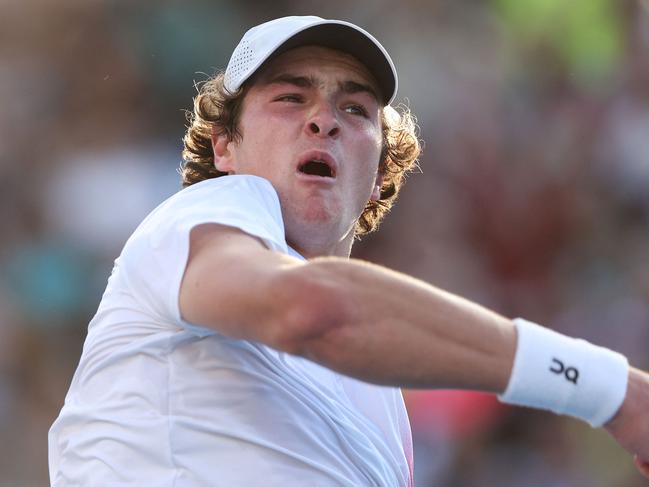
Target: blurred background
{"points": [[532, 199]]}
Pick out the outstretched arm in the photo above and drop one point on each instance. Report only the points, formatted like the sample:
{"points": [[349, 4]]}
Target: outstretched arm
{"points": [[356, 318], [366, 321]]}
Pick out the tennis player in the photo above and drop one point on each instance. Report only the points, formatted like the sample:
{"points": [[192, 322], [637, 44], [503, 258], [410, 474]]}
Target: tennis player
{"points": [[237, 344]]}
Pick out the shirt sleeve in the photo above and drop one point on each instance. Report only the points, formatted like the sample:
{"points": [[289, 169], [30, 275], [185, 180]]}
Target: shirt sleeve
{"points": [[154, 258]]}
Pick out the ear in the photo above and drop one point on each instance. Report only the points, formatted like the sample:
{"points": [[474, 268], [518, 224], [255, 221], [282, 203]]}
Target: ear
{"points": [[223, 160], [376, 192]]}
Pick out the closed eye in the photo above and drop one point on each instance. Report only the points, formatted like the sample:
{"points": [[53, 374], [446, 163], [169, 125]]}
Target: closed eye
{"points": [[291, 98]]}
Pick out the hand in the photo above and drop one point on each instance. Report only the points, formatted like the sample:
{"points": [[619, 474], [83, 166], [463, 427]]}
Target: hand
{"points": [[630, 426], [642, 466]]}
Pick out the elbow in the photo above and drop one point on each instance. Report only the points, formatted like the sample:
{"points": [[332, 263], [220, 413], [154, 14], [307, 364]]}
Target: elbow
{"points": [[312, 306]]}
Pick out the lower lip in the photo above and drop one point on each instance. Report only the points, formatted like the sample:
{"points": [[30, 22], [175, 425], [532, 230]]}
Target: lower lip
{"points": [[310, 178]]}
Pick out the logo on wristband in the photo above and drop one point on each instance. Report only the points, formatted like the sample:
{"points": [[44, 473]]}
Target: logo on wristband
{"points": [[571, 373]]}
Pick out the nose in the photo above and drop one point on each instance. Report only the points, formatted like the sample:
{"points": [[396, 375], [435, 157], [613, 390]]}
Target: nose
{"points": [[323, 122]]}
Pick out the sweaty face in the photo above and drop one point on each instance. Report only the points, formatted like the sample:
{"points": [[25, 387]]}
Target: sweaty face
{"points": [[311, 125]]}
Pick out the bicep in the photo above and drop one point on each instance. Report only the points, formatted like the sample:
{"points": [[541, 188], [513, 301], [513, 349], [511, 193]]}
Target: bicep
{"points": [[232, 283]]}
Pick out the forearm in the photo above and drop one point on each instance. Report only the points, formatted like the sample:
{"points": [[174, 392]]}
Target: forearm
{"points": [[406, 333], [393, 329], [397, 330]]}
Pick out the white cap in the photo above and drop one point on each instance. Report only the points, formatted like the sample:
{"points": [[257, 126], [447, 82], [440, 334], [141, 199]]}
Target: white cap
{"points": [[280, 35]]}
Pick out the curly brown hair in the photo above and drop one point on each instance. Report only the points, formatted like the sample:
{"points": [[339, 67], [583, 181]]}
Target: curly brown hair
{"points": [[215, 106]]}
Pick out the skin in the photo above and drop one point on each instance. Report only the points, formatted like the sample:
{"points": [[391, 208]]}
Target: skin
{"points": [[630, 426], [302, 103], [356, 318]]}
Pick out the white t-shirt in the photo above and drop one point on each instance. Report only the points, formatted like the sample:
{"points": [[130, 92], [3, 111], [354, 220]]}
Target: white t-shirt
{"points": [[156, 401]]}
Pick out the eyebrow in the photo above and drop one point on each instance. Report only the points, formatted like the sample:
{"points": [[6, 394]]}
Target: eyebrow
{"points": [[348, 87]]}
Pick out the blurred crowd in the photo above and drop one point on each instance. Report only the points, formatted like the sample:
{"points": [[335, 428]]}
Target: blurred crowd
{"points": [[532, 196]]}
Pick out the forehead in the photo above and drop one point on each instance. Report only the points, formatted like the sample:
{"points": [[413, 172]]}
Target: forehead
{"points": [[318, 62]]}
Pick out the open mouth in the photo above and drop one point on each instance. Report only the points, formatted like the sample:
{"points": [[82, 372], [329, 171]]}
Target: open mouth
{"points": [[317, 167]]}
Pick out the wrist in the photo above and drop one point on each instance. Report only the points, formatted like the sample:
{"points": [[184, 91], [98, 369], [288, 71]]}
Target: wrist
{"points": [[565, 375], [617, 420]]}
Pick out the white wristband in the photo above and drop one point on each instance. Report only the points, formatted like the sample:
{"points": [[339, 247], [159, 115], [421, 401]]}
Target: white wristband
{"points": [[566, 375]]}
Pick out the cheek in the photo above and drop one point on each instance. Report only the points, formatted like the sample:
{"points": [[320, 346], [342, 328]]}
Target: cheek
{"points": [[375, 141], [255, 150], [267, 135], [369, 151]]}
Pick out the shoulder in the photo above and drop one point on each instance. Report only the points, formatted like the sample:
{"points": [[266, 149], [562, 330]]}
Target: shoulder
{"points": [[249, 203], [223, 191]]}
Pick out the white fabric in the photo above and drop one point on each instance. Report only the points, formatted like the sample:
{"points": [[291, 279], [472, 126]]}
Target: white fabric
{"points": [[159, 402], [566, 375]]}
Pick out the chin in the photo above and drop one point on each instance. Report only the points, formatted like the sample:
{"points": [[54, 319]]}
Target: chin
{"points": [[314, 221], [318, 215], [317, 210]]}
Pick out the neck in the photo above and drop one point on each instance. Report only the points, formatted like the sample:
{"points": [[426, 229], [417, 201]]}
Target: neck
{"points": [[311, 250]]}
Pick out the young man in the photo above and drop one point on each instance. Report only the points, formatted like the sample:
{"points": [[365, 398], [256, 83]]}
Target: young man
{"points": [[238, 344]]}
